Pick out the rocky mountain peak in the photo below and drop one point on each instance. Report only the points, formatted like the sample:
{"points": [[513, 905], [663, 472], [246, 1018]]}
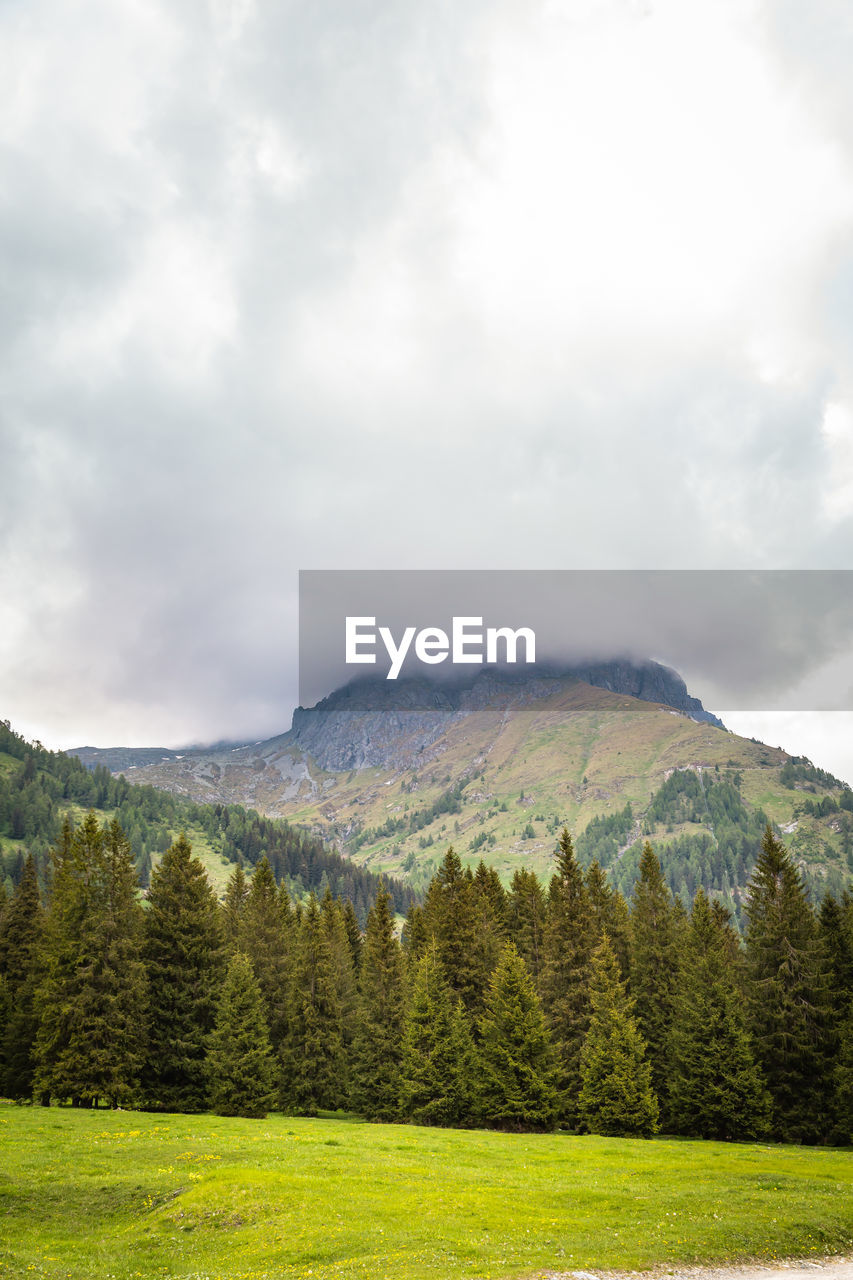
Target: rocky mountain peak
{"points": [[376, 722]]}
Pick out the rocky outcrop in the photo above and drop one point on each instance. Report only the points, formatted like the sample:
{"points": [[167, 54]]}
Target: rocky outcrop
{"points": [[390, 724]]}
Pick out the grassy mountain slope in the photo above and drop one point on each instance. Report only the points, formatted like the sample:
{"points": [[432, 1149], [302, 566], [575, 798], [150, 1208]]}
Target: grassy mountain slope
{"points": [[505, 774]]}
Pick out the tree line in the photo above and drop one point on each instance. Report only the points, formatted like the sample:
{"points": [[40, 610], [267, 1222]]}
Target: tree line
{"points": [[523, 1009]]}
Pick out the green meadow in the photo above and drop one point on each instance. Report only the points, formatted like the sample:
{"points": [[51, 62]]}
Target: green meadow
{"points": [[119, 1195]]}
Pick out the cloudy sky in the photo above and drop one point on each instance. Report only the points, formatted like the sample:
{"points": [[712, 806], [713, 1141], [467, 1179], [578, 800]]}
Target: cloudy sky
{"points": [[363, 284]]}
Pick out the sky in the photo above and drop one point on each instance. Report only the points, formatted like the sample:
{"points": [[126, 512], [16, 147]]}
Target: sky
{"points": [[365, 284]]}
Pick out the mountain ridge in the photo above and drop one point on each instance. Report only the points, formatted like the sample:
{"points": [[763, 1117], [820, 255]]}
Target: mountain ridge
{"points": [[648, 681], [420, 709], [390, 774]]}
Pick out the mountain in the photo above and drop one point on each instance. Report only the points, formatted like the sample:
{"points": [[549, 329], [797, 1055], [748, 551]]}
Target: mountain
{"points": [[393, 772], [377, 722], [40, 789]]}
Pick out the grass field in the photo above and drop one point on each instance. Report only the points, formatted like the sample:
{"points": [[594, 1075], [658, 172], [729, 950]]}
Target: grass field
{"points": [[119, 1195]]}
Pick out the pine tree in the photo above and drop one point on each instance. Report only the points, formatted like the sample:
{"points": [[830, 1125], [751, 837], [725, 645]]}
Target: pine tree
{"points": [[436, 1075], [610, 915], [450, 917], [91, 998], [315, 1075], [185, 960], [715, 1086], [526, 919], [839, 951], [489, 910], [22, 927], [377, 1049], [514, 1058], [491, 902], [787, 996], [356, 941], [264, 935], [835, 928], [414, 938], [236, 892], [566, 972], [240, 1064], [843, 1083], [616, 1095], [654, 968], [343, 969]]}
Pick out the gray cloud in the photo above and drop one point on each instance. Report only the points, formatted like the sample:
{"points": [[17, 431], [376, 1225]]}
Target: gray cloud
{"points": [[371, 286], [765, 640]]}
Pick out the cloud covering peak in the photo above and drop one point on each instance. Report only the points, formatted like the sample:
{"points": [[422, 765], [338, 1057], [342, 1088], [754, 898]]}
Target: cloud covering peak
{"points": [[374, 285]]}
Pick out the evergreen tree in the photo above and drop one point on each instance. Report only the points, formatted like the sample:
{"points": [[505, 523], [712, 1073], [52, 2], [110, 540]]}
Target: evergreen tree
{"points": [[514, 1059], [414, 936], [489, 905], [787, 996], [353, 931], [843, 1083], [91, 997], [143, 869], [377, 1049], [343, 969], [450, 918], [20, 937], [838, 944], [610, 915], [491, 900], [436, 1076], [236, 893], [654, 967], [566, 972], [526, 919], [264, 935], [715, 1087], [240, 1064], [835, 925], [185, 959], [616, 1095], [313, 1054]]}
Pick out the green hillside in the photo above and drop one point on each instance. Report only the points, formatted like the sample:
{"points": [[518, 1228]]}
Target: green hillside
{"points": [[39, 789], [615, 771]]}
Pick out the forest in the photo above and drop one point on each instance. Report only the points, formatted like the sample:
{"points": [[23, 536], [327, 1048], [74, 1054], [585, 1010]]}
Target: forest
{"points": [[529, 1008]]}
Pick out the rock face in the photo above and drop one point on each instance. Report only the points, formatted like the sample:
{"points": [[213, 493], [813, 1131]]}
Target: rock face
{"points": [[376, 723], [383, 723]]}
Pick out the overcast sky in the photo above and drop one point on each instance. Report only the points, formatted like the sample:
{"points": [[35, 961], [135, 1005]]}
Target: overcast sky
{"points": [[368, 284]]}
